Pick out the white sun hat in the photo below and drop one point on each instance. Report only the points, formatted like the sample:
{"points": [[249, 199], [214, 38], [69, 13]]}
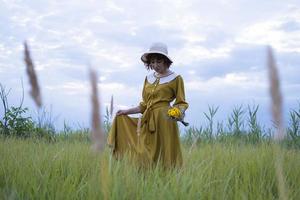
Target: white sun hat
{"points": [[157, 47]]}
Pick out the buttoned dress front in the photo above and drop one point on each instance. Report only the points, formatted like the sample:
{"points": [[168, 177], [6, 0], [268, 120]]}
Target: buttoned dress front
{"points": [[154, 137]]}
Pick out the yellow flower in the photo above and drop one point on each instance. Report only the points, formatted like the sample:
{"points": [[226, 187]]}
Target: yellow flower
{"points": [[174, 112]]}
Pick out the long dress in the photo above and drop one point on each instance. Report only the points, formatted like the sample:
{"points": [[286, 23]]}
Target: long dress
{"points": [[154, 137]]}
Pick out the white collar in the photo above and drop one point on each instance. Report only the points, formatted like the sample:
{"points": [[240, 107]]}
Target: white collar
{"points": [[151, 78]]}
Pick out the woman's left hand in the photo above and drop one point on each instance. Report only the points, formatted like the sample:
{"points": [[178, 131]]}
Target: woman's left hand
{"points": [[122, 112]]}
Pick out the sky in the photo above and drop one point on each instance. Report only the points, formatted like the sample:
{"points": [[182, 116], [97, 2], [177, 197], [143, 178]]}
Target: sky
{"points": [[218, 47]]}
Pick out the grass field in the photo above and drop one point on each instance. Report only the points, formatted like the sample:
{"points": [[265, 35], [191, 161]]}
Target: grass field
{"points": [[234, 160], [33, 169]]}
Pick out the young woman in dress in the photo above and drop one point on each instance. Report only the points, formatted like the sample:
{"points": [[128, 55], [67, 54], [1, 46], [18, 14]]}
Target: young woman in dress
{"points": [[154, 137]]}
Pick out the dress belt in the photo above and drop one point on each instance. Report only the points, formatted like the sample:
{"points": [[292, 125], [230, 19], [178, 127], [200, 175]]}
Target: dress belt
{"points": [[148, 117]]}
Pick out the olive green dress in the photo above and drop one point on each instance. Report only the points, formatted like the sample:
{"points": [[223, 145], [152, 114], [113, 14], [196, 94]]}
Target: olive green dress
{"points": [[154, 137]]}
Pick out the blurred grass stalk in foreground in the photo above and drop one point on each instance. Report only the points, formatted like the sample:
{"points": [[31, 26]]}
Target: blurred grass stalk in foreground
{"points": [[276, 99]]}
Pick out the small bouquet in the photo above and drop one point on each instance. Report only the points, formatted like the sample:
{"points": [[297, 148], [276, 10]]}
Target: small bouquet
{"points": [[176, 114]]}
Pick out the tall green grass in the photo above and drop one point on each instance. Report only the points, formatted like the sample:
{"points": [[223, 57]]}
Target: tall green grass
{"points": [[242, 126], [33, 169]]}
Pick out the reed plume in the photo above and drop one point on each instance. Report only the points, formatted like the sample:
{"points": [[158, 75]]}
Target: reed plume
{"points": [[276, 96], [111, 106], [276, 105], [97, 132], [35, 89]]}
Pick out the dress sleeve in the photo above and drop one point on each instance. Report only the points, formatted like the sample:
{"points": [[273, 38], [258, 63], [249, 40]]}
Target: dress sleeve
{"points": [[143, 103], [180, 95]]}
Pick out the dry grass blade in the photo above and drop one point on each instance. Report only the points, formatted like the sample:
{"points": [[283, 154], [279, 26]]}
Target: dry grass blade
{"points": [[275, 96], [277, 117], [35, 89], [111, 106], [97, 132]]}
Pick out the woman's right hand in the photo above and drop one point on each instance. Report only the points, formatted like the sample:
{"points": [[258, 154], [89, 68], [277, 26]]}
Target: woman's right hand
{"points": [[122, 112]]}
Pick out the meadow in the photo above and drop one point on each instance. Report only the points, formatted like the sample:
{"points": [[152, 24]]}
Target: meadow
{"points": [[236, 159], [232, 160], [35, 169]]}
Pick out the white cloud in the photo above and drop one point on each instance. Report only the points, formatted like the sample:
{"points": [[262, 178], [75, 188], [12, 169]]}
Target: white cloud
{"points": [[268, 32], [112, 6], [83, 88], [192, 53], [231, 83], [5, 51], [66, 36]]}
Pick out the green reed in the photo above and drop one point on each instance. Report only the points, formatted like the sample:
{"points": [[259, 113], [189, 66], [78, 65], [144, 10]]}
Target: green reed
{"points": [[31, 169]]}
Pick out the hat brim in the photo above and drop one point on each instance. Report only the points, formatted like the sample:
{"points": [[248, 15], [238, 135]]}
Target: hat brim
{"points": [[145, 55]]}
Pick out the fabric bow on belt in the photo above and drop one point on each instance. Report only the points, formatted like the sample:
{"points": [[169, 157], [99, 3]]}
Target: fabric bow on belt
{"points": [[148, 115]]}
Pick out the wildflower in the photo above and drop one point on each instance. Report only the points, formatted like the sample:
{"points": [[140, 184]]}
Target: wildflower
{"points": [[175, 113]]}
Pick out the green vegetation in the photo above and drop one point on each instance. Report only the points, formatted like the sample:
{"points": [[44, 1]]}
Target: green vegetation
{"points": [[232, 160], [35, 169], [242, 127]]}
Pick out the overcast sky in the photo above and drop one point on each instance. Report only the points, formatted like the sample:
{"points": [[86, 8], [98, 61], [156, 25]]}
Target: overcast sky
{"points": [[219, 48]]}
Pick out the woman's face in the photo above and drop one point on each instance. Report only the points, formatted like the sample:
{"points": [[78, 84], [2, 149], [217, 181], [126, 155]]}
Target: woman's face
{"points": [[158, 65]]}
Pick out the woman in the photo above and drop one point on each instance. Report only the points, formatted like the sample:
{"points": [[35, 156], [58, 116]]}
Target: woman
{"points": [[154, 137]]}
